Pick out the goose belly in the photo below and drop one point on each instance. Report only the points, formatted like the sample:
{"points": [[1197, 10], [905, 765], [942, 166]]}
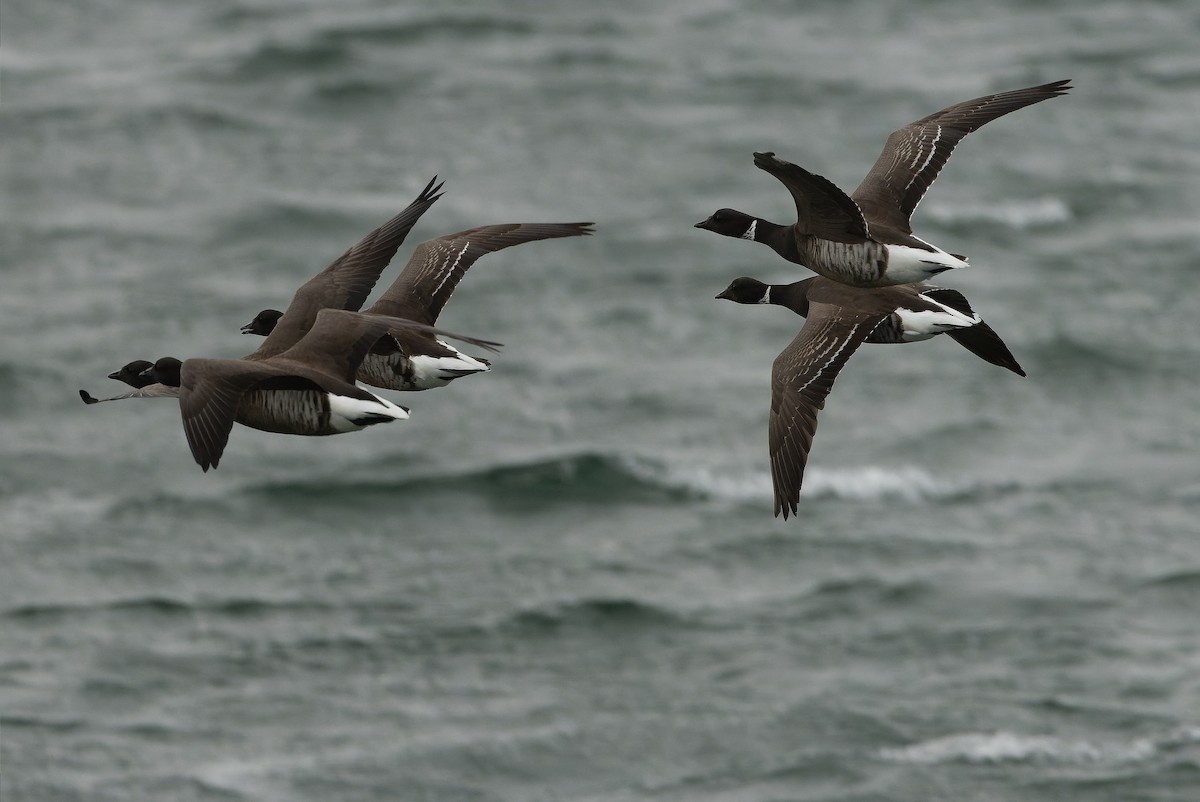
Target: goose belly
{"points": [[860, 264], [420, 372], [892, 330], [313, 413]]}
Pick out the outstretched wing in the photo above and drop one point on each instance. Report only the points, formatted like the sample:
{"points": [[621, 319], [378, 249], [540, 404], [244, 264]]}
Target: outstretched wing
{"points": [[437, 265], [822, 209], [209, 393], [801, 378], [339, 340], [913, 155], [349, 279], [980, 339]]}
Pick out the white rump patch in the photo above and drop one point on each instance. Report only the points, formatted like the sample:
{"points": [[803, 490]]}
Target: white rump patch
{"points": [[438, 371], [906, 264], [924, 324], [344, 411]]}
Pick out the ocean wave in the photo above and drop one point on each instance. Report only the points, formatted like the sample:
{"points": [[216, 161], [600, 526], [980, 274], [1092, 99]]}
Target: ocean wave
{"points": [[1010, 747], [580, 477], [34, 514], [1066, 357], [866, 483], [598, 477], [439, 26], [621, 613], [161, 606], [1018, 215], [1186, 580], [319, 50]]}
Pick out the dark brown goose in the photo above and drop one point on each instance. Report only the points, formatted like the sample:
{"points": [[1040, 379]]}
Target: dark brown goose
{"points": [[414, 359], [865, 239], [839, 319], [344, 284], [347, 281], [306, 390], [901, 326]]}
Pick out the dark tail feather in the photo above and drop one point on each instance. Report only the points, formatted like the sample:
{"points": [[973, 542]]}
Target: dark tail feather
{"points": [[951, 298], [986, 344]]}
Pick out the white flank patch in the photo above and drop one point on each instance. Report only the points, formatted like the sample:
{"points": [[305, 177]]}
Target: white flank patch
{"points": [[924, 324], [906, 265], [343, 411], [750, 231], [434, 371]]}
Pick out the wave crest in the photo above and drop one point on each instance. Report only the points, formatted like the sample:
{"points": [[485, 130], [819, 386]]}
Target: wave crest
{"points": [[1018, 215], [597, 477], [621, 613], [866, 483], [1010, 747]]}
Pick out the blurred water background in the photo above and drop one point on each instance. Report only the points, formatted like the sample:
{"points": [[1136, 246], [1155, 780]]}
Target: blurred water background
{"points": [[562, 580]]}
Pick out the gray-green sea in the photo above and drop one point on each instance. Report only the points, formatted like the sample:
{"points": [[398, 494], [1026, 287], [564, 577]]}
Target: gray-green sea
{"points": [[561, 580]]}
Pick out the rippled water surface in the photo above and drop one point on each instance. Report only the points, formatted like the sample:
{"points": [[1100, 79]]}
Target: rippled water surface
{"points": [[562, 580]]}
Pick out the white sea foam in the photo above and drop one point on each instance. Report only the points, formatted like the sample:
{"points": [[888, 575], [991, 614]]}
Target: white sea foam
{"points": [[871, 483], [866, 483], [35, 514], [1011, 747], [1017, 214]]}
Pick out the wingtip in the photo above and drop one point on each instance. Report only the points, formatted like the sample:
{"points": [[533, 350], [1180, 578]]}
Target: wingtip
{"points": [[488, 345], [432, 190], [785, 507], [88, 398]]}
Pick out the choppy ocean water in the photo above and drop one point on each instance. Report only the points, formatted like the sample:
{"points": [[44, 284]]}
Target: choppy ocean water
{"points": [[562, 580]]}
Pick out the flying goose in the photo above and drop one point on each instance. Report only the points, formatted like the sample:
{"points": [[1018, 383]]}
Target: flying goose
{"points": [[864, 239], [307, 389], [839, 318], [414, 359]]}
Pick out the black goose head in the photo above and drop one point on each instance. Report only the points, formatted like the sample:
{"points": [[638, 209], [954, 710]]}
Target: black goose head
{"points": [[131, 374], [164, 371], [263, 323], [731, 223], [745, 290]]}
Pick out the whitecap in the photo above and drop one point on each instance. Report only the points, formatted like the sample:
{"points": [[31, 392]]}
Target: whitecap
{"points": [[877, 483], [864, 483], [33, 515], [1016, 214], [1011, 747]]}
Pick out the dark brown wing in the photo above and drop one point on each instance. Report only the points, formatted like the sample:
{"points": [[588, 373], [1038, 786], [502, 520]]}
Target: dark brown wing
{"points": [[437, 265], [913, 155], [339, 340], [980, 339], [346, 283], [822, 209], [209, 393], [801, 378]]}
